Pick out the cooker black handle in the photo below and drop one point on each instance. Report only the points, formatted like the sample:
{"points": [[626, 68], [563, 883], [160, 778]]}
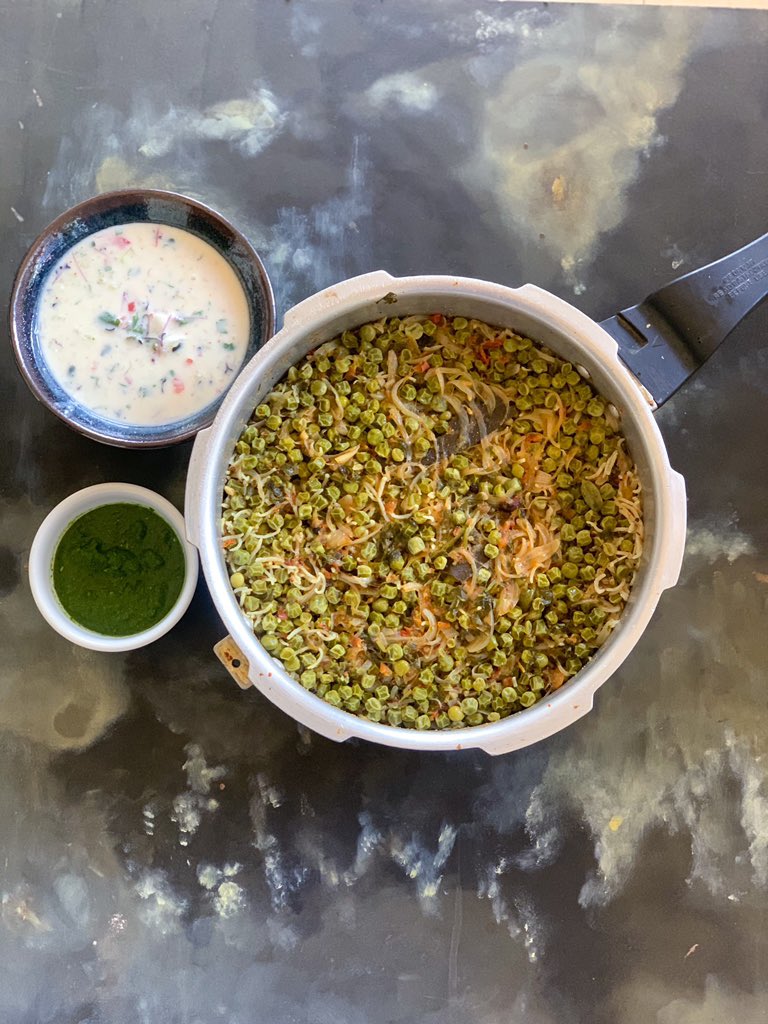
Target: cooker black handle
{"points": [[669, 335]]}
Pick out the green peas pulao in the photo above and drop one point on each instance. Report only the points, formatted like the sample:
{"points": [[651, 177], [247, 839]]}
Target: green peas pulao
{"points": [[432, 522]]}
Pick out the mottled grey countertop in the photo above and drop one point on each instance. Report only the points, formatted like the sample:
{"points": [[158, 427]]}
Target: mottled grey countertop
{"points": [[175, 850]]}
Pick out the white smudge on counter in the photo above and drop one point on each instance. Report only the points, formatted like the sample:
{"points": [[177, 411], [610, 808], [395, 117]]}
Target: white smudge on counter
{"points": [[405, 91], [563, 138], [307, 251], [188, 808], [718, 1004], [665, 744], [489, 27], [711, 543], [422, 865], [250, 123], [228, 896], [199, 775], [283, 878], [269, 792], [650, 998], [369, 841], [109, 150], [74, 898], [489, 887], [148, 818], [161, 908], [229, 899]]}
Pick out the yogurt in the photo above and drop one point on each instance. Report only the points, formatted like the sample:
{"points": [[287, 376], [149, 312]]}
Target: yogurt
{"points": [[143, 323]]}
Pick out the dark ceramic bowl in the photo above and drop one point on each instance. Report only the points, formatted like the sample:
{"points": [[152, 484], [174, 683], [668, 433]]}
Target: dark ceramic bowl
{"points": [[109, 210]]}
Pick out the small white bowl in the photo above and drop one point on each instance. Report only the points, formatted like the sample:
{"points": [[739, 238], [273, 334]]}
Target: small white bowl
{"points": [[44, 546]]}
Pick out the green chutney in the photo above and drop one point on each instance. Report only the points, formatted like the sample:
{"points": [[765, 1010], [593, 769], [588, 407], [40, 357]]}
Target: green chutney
{"points": [[118, 569]]}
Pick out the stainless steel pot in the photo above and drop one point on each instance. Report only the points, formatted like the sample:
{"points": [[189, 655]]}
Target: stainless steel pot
{"points": [[636, 360]]}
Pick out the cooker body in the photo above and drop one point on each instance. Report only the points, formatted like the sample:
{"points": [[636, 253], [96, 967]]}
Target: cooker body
{"points": [[528, 311]]}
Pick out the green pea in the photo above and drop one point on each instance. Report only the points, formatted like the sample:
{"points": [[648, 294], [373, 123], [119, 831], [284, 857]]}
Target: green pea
{"points": [[318, 604], [591, 495]]}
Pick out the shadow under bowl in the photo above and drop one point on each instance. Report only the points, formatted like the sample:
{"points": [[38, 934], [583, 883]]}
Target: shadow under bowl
{"points": [[113, 209]]}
